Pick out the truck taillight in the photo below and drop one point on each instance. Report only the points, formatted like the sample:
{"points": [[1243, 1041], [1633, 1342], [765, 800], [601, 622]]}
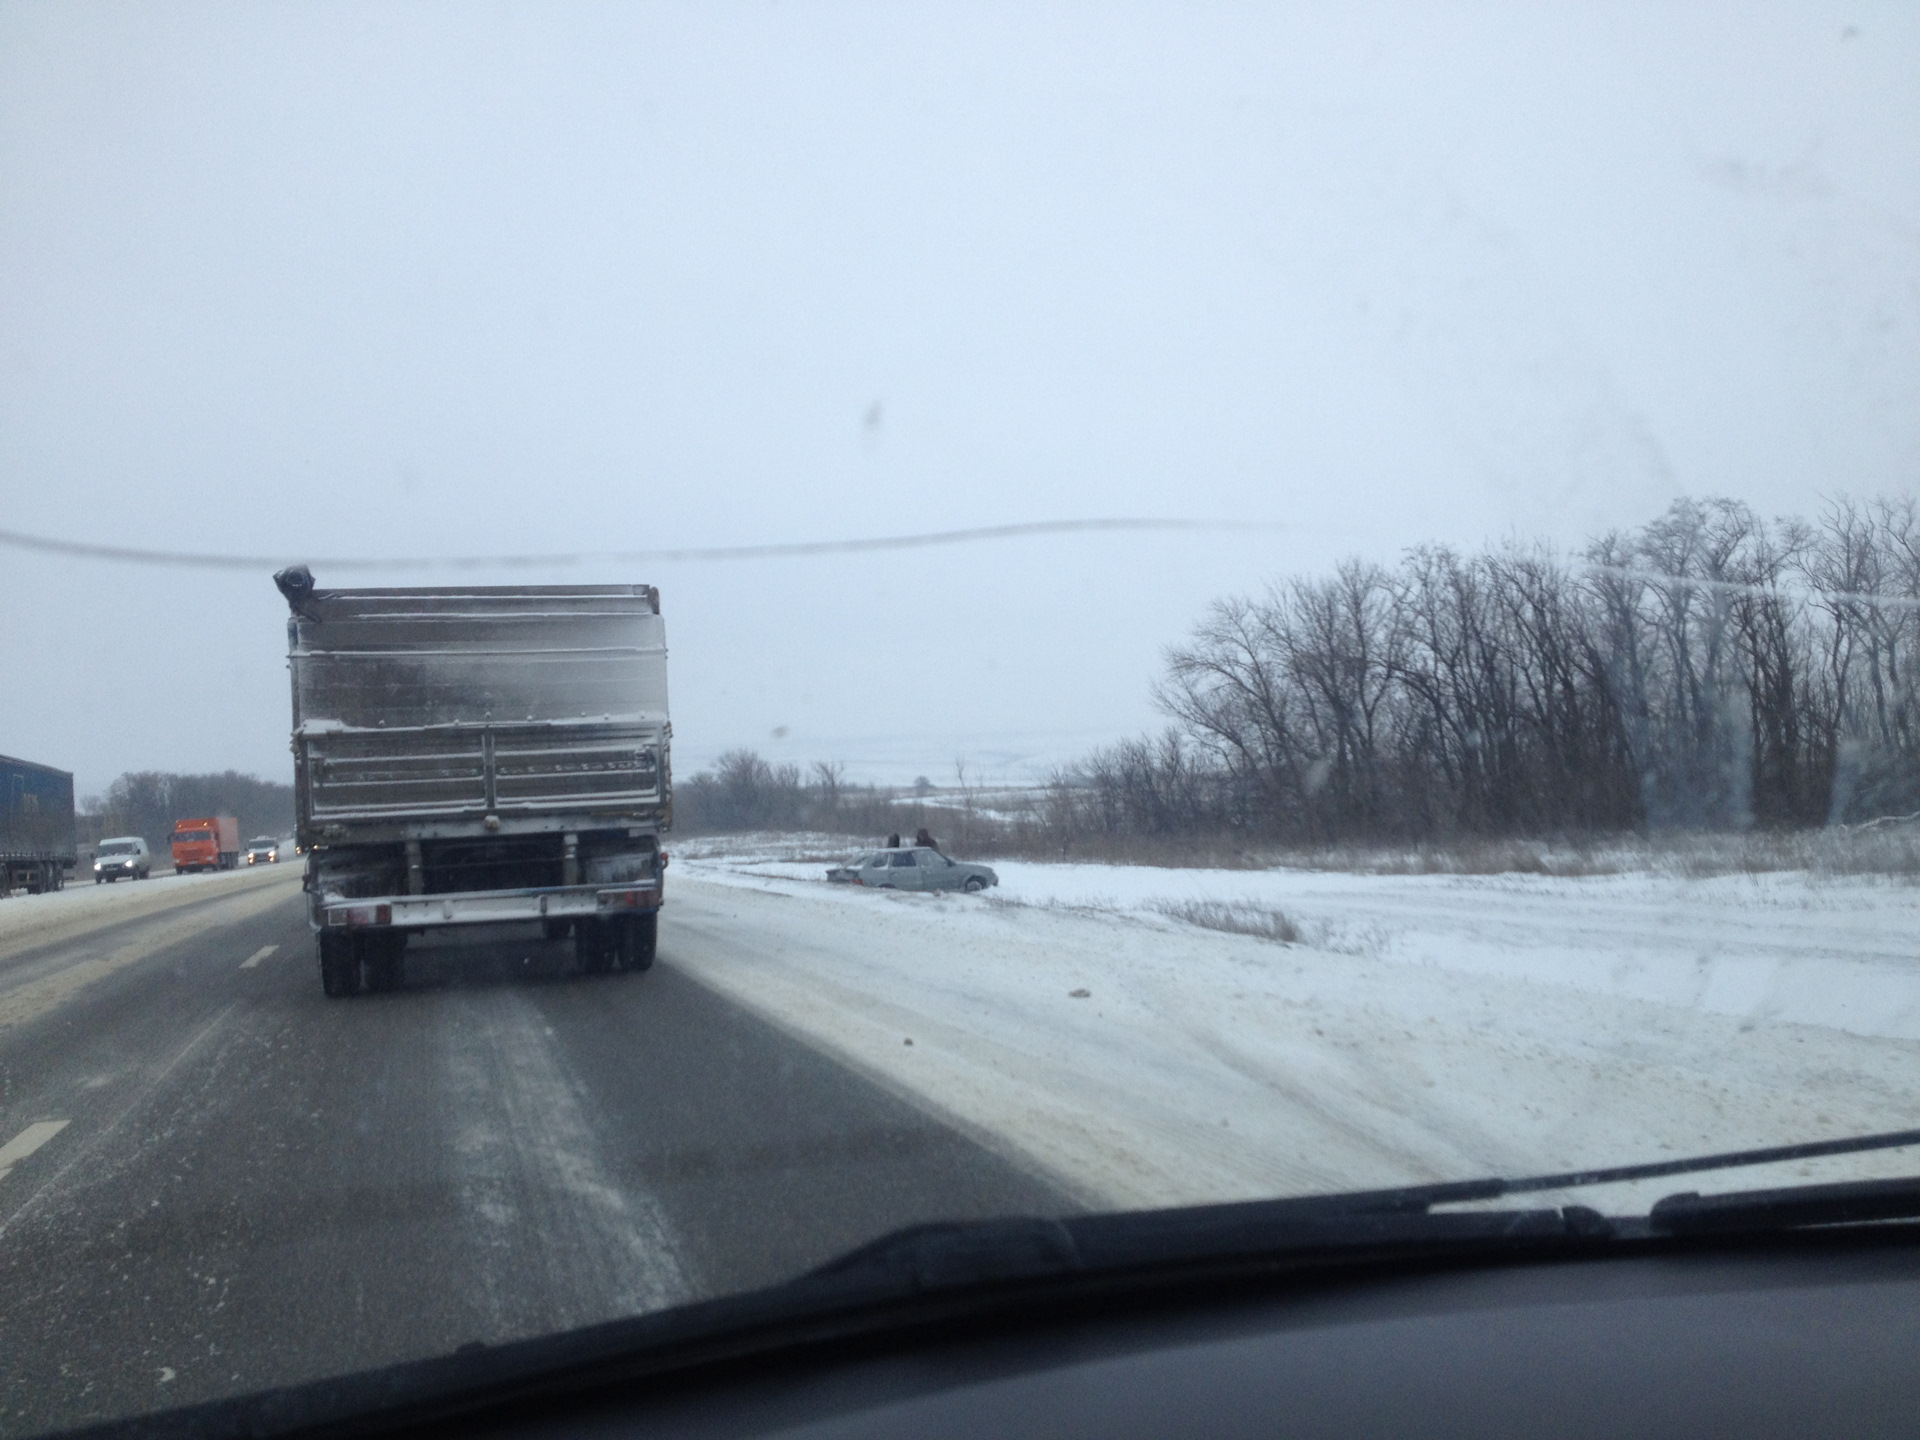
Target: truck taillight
{"points": [[360, 915], [620, 899]]}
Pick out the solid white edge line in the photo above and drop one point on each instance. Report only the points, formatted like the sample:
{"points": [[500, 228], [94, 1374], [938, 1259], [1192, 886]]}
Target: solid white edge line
{"points": [[254, 959], [26, 1142]]}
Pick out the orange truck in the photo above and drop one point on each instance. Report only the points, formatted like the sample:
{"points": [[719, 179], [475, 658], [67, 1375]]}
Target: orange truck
{"points": [[212, 843]]}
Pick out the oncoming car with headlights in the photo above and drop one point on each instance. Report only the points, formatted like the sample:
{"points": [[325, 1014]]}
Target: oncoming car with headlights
{"points": [[125, 857]]}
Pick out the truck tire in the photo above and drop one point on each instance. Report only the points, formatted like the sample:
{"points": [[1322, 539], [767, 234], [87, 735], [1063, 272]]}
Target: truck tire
{"points": [[383, 959], [639, 937], [556, 929], [594, 944], [339, 966]]}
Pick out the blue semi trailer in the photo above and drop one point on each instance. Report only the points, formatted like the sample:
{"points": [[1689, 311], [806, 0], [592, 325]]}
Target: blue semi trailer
{"points": [[36, 826]]}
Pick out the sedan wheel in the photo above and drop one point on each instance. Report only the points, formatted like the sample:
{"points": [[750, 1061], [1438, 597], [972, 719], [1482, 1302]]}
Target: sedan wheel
{"points": [[974, 885]]}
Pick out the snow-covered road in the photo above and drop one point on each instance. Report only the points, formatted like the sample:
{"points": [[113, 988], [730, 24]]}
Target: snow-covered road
{"points": [[34, 921], [1431, 1028]]}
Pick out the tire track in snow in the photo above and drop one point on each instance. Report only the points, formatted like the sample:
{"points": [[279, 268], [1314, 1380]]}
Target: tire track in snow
{"points": [[559, 1243]]}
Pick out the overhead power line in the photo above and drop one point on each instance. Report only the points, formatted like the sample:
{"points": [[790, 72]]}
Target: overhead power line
{"points": [[800, 549], [190, 560]]}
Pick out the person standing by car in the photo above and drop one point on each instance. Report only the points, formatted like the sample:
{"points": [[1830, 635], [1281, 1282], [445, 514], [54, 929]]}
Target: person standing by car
{"points": [[925, 838]]}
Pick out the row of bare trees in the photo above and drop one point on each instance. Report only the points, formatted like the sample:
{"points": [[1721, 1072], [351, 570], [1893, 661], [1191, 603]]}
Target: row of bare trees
{"points": [[1710, 670], [743, 790], [147, 802]]}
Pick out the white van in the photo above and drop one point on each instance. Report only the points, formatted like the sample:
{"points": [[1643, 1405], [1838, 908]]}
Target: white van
{"points": [[123, 855]]}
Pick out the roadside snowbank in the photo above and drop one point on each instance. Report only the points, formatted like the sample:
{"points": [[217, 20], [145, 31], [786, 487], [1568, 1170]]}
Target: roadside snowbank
{"points": [[1842, 953], [1435, 1028]]}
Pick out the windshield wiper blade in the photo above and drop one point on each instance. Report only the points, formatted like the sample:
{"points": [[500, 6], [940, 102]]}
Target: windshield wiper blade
{"points": [[954, 1255], [1416, 1198], [971, 1263], [1852, 1202]]}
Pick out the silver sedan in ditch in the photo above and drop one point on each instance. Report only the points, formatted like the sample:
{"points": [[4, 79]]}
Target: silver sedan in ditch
{"points": [[915, 867]]}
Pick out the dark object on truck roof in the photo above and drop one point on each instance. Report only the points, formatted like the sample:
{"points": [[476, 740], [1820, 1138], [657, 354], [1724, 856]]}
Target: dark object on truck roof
{"points": [[296, 583]]}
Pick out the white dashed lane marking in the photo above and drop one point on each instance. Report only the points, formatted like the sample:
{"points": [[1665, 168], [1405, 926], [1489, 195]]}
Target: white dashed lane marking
{"points": [[26, 1142], [254, 959]]}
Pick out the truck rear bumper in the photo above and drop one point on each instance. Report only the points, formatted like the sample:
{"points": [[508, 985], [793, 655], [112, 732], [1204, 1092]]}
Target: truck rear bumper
{"points": [[484, 907]]}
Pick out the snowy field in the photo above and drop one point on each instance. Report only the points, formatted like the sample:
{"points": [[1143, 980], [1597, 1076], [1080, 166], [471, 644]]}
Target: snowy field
{"points": [[1420, 1028]]}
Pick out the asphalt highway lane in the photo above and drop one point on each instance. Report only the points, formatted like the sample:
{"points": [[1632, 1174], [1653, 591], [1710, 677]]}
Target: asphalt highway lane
{"points": [[215, 1180]]}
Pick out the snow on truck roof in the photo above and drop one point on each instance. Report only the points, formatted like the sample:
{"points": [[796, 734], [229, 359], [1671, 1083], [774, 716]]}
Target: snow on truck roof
{"points": [[455, 657], [491, 601]]}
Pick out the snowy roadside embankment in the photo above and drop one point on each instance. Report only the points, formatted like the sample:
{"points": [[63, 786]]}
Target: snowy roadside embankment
{"points": [[1843, 953], [1426, 1028], [29, 921]]}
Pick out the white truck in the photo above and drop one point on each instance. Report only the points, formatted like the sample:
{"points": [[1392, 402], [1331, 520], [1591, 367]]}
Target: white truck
{"points": [[478, 755]]}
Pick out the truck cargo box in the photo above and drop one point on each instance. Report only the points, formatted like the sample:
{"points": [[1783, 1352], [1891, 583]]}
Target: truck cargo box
{"points": [[423, 712], [37, 840], [479, 755]]}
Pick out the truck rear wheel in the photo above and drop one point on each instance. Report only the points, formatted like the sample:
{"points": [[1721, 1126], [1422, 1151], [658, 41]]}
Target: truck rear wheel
{"points": [[594, 945], [339, 966], [383, 957], [639, 937]]}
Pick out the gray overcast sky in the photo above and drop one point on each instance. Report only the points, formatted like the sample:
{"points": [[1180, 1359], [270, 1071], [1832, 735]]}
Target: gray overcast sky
{"points": [[467, 278]]}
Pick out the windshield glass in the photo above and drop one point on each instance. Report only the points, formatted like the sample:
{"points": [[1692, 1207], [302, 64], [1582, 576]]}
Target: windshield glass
{"points": [[1399, 595]]}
